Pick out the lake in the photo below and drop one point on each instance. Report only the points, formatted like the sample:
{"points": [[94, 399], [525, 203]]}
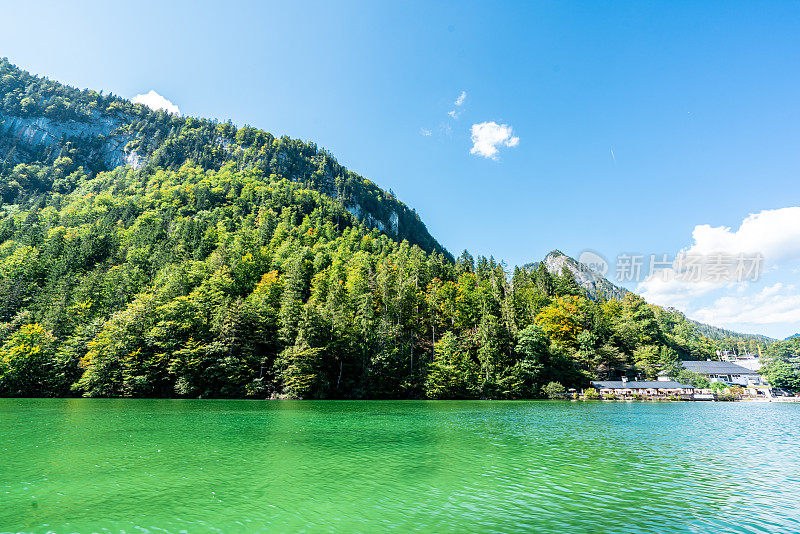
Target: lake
{"points": [[107, 465]]}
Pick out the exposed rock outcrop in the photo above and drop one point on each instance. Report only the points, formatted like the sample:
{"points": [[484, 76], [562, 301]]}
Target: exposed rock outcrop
{"points": [[34, 132], [594, 283]]}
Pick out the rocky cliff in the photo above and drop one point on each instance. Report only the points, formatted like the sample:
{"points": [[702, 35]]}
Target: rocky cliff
{"points": [[29, 134], [594, 283]]}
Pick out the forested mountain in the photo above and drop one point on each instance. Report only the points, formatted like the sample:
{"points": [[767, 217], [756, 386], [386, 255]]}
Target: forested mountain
{"points": [[717, 333], [57, 126], [144, 254]]}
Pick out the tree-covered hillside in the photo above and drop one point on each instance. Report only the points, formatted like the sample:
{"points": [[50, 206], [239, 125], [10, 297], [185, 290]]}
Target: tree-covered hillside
{"points": [[597, 285], [222, 262], [59, 129], [734, 341]]}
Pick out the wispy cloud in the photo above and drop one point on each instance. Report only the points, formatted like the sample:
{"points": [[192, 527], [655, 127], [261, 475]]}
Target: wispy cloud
{"points": [[488, 137], [154, 100], [454, 114], [446, 128]]}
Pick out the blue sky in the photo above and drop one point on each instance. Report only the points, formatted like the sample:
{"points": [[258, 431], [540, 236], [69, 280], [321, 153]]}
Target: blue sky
{"points": [[631, 123]]}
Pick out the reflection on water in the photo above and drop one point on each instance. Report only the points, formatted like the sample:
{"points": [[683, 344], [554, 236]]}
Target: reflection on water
{"points": [[228, 466]]}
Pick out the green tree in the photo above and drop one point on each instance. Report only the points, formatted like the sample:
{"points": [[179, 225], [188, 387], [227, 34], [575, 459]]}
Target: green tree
{"points": [[782, 375], [302, 378], [532, 353], [27, 363], [452, 374], [554, 390]]}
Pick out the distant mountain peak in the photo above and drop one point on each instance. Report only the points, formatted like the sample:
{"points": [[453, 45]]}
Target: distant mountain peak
{"points": [[594, 283]]}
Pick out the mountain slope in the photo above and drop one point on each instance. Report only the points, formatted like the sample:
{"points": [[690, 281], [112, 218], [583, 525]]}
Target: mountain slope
{"points": [[597, 285], [42, 121], [222, 262], [593, 283], [715, 332]]}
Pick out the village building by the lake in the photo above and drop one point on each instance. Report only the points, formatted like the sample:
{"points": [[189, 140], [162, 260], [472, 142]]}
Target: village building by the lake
{"points": [[740, 376], [643, 388], [727, 372]]}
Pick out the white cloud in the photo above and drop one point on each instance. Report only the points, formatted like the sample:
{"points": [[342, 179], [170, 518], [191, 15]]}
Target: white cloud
{"points": [[488, 136], [453, 114], [666, 288], [425, 132], [778, 303], [766, 301], [773, 233], [154, 100], [461, 98]]}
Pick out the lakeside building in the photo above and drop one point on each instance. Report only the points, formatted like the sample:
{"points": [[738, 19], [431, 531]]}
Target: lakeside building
{"points": [[726, 372], [644, 388], [751, 360], [733, 374]]}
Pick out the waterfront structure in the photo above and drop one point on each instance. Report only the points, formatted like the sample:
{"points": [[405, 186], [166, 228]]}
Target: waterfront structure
{"points": [[727, 372], [644, 388]]}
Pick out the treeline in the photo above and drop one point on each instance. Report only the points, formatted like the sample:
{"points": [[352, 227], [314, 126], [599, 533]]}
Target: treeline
{"points": [[25, 95], [782, 364], [734, 341], [230, 283]]}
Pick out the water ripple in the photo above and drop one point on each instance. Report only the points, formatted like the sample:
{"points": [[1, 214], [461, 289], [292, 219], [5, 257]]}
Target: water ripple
{"points": [[239, 466]]}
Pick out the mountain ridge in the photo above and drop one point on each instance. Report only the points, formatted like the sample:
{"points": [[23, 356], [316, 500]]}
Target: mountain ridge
{"points": [[116, 132], [595, 284], [598, 286]]}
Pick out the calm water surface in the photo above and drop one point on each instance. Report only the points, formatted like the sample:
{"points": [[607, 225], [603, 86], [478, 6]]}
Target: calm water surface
{"points": [[82, 465]]}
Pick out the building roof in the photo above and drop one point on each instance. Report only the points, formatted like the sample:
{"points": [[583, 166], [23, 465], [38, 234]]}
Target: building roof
{"points": [[716, 368], [640, 384]]}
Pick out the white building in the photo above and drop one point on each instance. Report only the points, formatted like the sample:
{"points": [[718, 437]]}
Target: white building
{"points": [[727, 372], [644, 388], [754, 364]]}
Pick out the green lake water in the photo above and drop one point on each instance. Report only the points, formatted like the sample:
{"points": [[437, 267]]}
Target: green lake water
{"points": [[85, 465]]}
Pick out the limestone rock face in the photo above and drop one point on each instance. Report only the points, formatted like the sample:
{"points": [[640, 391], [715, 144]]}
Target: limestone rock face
{"points": [[34, 132], [134, 160], [392, 228], [112, 136], [594, 283]]}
